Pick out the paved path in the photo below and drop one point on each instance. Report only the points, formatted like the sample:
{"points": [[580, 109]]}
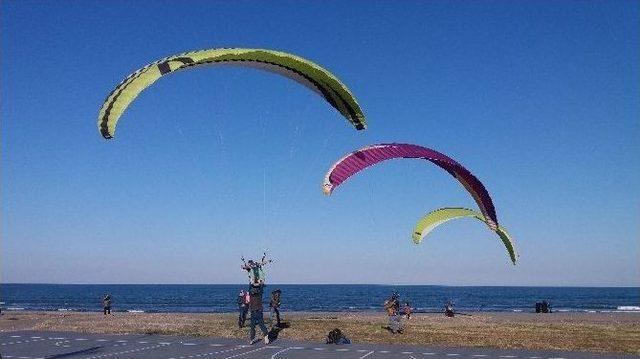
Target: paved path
{"points": [[50, 345]]}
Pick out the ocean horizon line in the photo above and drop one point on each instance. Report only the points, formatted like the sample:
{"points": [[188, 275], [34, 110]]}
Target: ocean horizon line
{"points": [[337, 284]]}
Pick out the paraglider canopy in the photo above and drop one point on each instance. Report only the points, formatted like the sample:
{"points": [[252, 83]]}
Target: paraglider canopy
{"points": [[368, 156], [296, 68], [435, 218]]}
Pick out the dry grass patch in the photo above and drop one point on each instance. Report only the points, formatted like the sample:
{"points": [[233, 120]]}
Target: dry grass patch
{"points": [[576, 332]]}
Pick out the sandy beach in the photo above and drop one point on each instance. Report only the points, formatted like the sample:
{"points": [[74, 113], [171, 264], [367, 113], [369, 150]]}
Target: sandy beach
{"points": [[593, 332]]}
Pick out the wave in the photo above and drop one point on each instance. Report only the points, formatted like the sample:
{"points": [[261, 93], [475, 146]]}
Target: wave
{"points": [[135, 311], [15, 308], [628, 308]]}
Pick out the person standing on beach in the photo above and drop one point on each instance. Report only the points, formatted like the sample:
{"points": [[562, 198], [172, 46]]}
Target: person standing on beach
{"points": [[106, 304], [407, 310], [448, 310], [392, 306], [257, 315], [243, 308], [274, 305]]}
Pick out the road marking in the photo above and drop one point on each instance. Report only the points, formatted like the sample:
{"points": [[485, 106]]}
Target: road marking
{"points": [[281, 351], [479, 355], [428, 353], [366, 355], [245, 353], [127, 351], [15, 336], [342, 350], [189, 344], [215, 345], [406, 353]]}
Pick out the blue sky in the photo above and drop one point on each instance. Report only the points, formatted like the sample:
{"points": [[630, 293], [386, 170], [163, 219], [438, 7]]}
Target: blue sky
{"points": [[538, 99]]}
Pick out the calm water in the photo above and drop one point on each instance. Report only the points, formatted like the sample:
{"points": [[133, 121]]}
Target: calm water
{"points": [[221, 298]]}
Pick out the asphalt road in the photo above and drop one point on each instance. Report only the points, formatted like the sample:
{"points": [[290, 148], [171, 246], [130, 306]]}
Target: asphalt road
{"points": [[49, 345]]}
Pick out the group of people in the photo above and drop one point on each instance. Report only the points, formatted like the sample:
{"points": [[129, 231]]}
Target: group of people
{"points": [[244, 301], [251, 301], [397, 315]]}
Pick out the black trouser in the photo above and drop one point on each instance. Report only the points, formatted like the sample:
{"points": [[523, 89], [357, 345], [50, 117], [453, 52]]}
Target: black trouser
{"points": [[276, 311], [107, 310], [242, 317], [257, 319]]}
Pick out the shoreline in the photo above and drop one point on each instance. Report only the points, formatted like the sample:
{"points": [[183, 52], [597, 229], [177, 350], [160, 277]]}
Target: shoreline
{"points": [[591, 332], [6, 310]]}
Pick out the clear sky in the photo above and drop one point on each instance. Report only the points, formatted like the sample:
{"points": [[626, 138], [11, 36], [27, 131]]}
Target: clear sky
{"points": [[539, 99]]}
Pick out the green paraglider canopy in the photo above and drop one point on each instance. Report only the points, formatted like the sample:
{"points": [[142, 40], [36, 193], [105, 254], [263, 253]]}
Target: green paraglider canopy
{"points": [[301, 70], [442, 215]]}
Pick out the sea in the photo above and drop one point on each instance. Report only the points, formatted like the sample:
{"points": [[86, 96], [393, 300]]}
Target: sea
{"points": [[154, 298]]}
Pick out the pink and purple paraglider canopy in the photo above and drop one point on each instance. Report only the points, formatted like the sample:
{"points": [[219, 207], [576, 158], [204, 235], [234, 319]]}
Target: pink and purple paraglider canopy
{"points": [[371, 155]]}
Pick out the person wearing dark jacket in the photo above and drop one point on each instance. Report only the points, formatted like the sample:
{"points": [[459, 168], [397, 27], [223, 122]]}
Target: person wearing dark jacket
{"points": [[106, 304], [243, 308], [257, 315], [274, 305]]}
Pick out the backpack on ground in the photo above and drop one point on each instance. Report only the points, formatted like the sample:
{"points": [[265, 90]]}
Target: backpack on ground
{"points": [[337, 337]]}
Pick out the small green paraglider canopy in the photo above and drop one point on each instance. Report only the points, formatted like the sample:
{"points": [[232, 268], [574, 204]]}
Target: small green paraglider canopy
{"points": [[442, 215]]}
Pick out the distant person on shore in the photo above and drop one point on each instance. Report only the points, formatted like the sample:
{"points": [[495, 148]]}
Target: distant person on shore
{"points": [[243, 307], [257, 315], [106, 304], [392, 307], [448, 310], [274, 306], [543, 307], [407, 310]]}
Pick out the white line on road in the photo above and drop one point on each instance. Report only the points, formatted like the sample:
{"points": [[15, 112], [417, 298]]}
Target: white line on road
{"points": [[245, 353], [281, 351], [366, 355]]}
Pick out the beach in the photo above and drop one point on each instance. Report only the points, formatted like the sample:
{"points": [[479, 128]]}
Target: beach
{"points": [[591, 332]]}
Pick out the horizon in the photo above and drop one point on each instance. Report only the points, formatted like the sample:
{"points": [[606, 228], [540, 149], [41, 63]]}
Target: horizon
{"points": [[328, 284], [538, 99]]}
